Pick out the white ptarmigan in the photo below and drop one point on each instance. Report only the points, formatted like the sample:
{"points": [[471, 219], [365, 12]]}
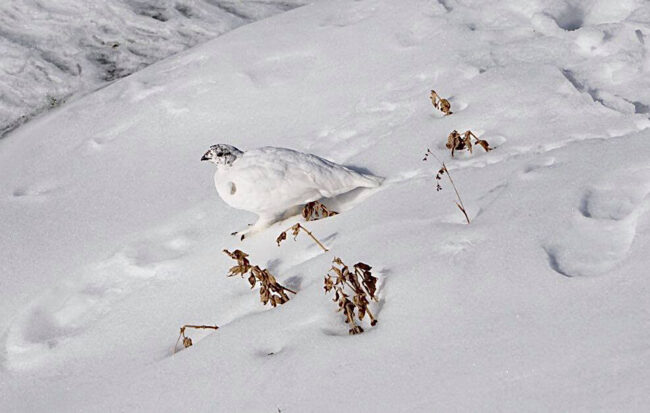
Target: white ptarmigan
{"points": [[270, 181]]}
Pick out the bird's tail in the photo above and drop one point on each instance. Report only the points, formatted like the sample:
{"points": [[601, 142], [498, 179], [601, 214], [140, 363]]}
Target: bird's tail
{"points": [[370, 181]]}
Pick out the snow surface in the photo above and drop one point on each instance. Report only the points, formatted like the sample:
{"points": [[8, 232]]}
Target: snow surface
{"points": [[112, 229], [50, 50]]}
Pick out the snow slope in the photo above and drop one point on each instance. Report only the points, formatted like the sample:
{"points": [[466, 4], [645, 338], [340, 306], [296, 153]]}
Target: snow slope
{"points": [[113, 231], [51, 50]]}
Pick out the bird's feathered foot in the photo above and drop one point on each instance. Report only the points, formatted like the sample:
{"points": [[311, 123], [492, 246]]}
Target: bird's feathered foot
{"points": [[261, 224]]}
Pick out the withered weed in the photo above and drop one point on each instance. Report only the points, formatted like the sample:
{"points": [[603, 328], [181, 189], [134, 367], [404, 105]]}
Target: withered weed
{"points": [[271, 292], [458, 142], [295, 230], [444, 171], [314, 210], [361, 284], [187, 341], [439, 103]]}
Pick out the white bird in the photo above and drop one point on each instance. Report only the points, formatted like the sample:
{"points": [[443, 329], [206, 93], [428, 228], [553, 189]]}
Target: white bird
{"points": [[271, 181]]}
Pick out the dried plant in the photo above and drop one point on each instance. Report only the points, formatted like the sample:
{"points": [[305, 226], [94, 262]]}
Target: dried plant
{"points": [[295, 230], [458, 142], [270, 290], [444, 171], [315, 210], [361, 284], [187, 342], [441, 104]]}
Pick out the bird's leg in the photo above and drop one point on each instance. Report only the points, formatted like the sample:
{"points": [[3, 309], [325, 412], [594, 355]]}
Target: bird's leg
{"points": [[262, 223], [237, 232]]}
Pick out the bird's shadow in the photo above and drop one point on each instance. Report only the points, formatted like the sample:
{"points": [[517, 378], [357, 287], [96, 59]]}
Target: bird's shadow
{"points": [[294, 282], [359, 169]]}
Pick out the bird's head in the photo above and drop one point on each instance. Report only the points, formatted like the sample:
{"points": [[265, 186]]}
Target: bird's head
{"points": [[222, 154]]}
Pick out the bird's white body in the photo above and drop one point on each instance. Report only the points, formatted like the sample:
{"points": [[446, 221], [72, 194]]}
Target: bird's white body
{"points": [[270, 181]]}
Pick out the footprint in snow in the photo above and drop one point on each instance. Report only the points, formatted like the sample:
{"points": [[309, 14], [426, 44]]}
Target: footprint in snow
{"points": [[280, 69], [348, 16], [604, 225], [533, 168], [74, 305], [36, 191]]}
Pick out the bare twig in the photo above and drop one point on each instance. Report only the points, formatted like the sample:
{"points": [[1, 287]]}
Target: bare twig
{"points": [[295, 230], [187, 342], [442, 171]]}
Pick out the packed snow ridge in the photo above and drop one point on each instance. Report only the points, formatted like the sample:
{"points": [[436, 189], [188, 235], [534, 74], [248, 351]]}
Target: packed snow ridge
{"points": [[50, 50]]}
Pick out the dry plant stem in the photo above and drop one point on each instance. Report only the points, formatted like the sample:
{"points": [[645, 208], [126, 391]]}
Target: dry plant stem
{"points": [[193, 326], [295, 230], [287, 289], [460, 204], [460, 201], [187, 342], [314, 238]]}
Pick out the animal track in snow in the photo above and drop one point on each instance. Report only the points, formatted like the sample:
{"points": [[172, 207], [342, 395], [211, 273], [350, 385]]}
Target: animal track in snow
{"points": [[137, 91], [570, 18], [536, 165], [71, 307], [457, 105], [603, 227], [414, 36], [97, 142], [359, 131], [279, 69], [36, 190], [348, 16]]}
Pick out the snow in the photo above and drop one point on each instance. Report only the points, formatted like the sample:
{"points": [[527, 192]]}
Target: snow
{"points": [[51, 51], [113, 230]]}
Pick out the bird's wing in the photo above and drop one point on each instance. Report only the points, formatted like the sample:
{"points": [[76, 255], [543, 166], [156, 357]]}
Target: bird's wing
{"points": [[306, 171]]}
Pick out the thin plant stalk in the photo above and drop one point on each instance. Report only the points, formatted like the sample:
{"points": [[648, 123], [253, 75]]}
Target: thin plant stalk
{"points": [[295, 229], [459, 204], [187, 342]]}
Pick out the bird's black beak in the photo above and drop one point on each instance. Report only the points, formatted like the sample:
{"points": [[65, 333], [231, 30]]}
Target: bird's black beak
{"points": [[205, 157]]}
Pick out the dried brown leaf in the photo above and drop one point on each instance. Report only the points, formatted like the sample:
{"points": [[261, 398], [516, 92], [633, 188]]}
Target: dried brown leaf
{"points": [[445, 107], [328, 283], [484, 144], [363, 285]]}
